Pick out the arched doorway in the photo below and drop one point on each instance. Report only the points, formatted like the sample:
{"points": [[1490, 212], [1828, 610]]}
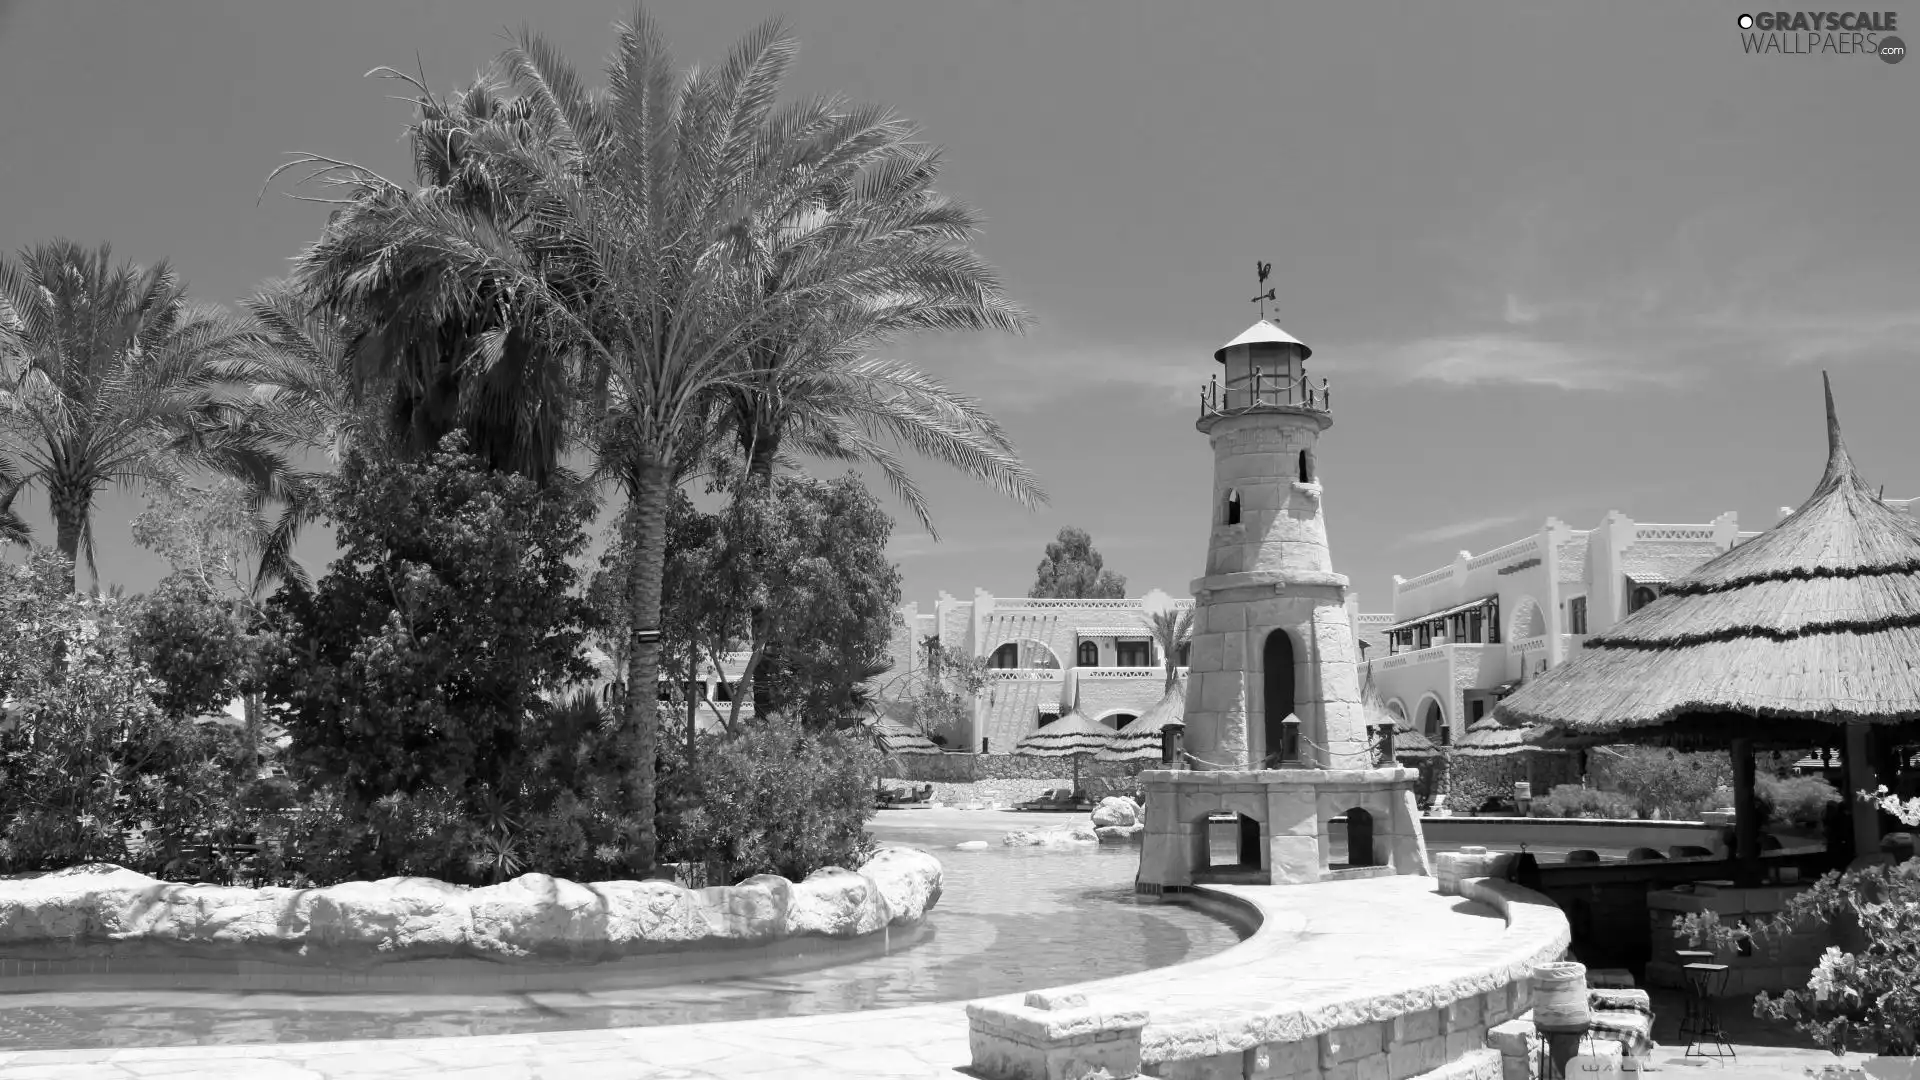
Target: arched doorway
{"points": [[1359, 838], [1276, 661], [1433, 724]]}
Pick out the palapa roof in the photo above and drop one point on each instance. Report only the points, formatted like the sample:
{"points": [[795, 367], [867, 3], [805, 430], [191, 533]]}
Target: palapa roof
{"points": [[1490, 737], [1814, 622], [903, 740], [1069, 736], [1140, 739]]}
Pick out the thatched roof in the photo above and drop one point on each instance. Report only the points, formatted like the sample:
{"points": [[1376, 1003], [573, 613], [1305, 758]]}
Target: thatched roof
{"points": [[1491, 737], [903, 740], [1140, 739], [1071, 735], [1814, 622]]}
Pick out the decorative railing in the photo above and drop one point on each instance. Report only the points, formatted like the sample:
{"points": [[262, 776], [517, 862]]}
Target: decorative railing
{"points": [[1431, 577], [1049, 602], [1527, 645], [1673, 532], [1122, 672], [1263, 391], [1024, 674], [1508, 551], [1409, 659]]}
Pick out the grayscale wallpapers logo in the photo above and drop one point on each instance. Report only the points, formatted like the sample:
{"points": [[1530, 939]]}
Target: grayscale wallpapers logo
{"points": [[1811, 33]]}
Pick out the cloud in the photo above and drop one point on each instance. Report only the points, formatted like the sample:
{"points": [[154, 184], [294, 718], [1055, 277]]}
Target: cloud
{"points": [[1519, 359], [1458, 530]]}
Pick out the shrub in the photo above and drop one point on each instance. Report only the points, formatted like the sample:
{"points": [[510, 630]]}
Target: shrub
{"points": [[1574, 801], [91, 768], [1473, 782], [1796, 801], [1663, 783], [1858, 1001], [417, 676], [775, 799]]}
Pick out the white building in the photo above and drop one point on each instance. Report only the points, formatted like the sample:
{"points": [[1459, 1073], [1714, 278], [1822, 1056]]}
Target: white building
{"points": [[1461, 636]]}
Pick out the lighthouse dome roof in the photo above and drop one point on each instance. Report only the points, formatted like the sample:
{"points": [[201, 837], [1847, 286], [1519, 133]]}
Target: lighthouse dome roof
{"points": [[1264, 332]]}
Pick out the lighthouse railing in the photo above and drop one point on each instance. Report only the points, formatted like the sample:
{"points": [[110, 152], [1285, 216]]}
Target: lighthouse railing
{"points": [[1263, 390]]}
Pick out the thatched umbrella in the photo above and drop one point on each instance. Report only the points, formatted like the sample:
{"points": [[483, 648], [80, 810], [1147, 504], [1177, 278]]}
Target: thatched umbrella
{"points": [[903, 741], [1811, 626], [1140, 740], [1072, 736]]}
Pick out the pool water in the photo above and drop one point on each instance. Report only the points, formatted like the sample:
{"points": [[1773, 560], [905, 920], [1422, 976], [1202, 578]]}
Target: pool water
{"points": [[1008, 919]]}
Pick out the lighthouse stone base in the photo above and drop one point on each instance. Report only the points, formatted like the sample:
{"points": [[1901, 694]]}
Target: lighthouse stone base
{"points": [[1286, 826]]}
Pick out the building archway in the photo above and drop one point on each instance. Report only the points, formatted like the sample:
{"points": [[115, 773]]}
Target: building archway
{"points": [[1398, 710], [1277, 700], [1528, 620], [1433, 722]]}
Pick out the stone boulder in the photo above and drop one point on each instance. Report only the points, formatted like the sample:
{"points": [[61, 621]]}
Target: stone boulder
{"points": [[108, 910], [1116, 811], [1119, 834], [1061, 837]]}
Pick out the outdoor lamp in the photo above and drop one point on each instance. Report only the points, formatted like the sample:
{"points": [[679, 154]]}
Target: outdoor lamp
{"points": [[1386, 744], [1290, 740], [1170, 745]]}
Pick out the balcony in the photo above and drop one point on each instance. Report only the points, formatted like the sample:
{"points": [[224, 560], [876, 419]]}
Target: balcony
{"points": [[1265, 392]]}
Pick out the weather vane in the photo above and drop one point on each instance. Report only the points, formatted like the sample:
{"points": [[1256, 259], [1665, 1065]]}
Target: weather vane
{"points": [[1263, 269]]}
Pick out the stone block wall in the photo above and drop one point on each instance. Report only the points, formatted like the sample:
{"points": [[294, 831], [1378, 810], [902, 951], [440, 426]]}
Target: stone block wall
{"points": [[1772, 964]]}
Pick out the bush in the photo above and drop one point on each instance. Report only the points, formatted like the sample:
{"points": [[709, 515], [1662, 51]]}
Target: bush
{"points": [[1796, 801], [91, 768], [1574, 801], [1473, 782], [775, 799], [1854, 1001], [1663, 783]]}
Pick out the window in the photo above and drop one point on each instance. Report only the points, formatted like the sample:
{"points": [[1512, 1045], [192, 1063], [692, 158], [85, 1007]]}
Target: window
{"points": [[1045, 719], [1233, 507], [723, 691], [1476, 626], [1306, 466], [1493, 623], [1478, 710], [1642, 596], [1133, 653], [1006, 656], [1457, 628], [1577, 615], [1089, 654], [1424, 635], [1180, 654]]}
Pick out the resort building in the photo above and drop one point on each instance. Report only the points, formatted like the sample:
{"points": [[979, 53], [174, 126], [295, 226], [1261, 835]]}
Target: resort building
{"points": [[1462, 636]]}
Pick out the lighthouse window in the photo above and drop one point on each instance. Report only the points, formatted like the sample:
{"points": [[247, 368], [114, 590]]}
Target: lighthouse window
{"points": [[1233, 507], [1306, 466]]}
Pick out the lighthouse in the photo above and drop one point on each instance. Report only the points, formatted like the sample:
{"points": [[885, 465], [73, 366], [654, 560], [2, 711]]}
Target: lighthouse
{"points": [[1271, 681], [1278, 763]]}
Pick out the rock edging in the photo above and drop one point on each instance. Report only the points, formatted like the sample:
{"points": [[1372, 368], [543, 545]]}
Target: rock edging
{"points": [[107, 910]]}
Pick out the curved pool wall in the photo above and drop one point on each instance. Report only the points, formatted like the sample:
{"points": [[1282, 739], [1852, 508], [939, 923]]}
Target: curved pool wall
{"points": [[106, 924], [1384, 976], [1598, 834]]}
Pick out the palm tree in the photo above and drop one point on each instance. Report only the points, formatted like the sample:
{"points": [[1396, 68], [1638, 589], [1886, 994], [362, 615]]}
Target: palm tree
{"points": [[1172, 629], [13, 527], [442, 344], [111, 376]]}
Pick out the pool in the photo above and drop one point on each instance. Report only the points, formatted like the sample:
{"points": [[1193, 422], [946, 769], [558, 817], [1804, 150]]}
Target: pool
{"points": [[1008, 919]]}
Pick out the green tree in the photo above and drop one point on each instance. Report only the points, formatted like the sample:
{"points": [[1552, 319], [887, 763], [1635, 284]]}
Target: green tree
{"points": [[825, 597], [1074, 570], [431, 644], [638, 221], [111, 376]]}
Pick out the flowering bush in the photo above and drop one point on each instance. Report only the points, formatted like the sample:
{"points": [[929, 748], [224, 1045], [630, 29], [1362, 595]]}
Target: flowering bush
{"points": [[1867, 1000], [91, 768]]}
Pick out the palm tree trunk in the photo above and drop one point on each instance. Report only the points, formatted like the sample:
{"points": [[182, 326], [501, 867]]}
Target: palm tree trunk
{"points": [[70, 500], [693, 701], [647, 520]]}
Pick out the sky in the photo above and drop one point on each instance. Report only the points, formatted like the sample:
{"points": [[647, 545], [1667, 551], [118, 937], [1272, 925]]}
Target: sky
{"points": [[1555, 258]]}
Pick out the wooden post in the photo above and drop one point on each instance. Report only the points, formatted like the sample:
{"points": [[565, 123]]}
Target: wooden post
{"points": [[1746, 816], [1866, 816]]}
